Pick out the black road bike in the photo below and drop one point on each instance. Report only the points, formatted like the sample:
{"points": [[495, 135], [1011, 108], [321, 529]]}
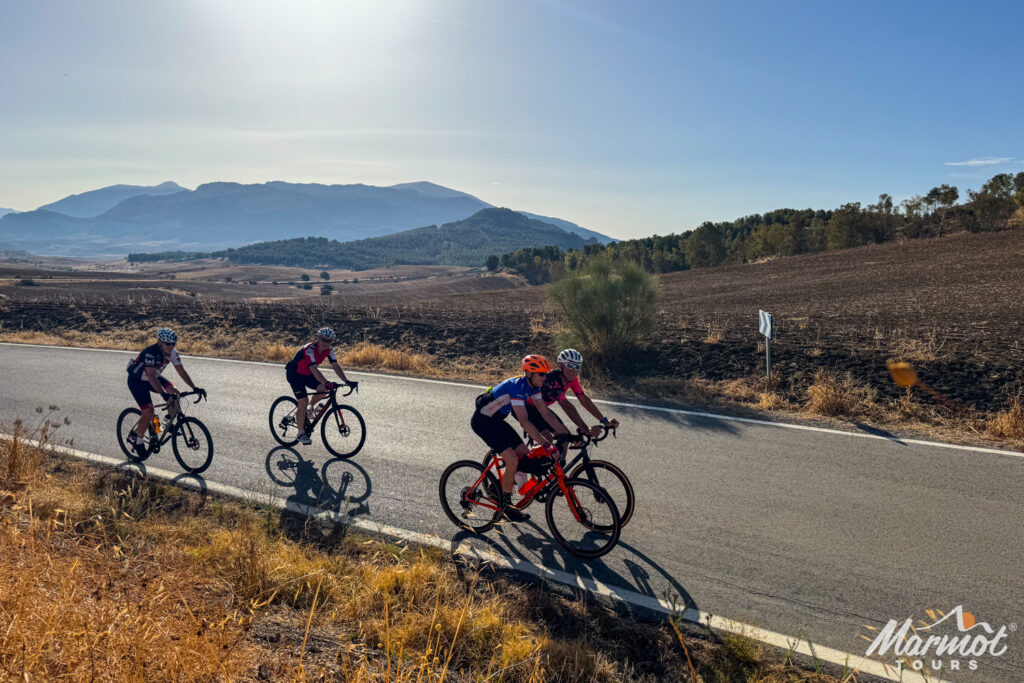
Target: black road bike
{"points": [[190, 439], [602, 473], [341, 426]]}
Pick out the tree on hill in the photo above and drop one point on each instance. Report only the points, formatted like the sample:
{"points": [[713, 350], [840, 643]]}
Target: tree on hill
{"points": [[492, 262], [305, 278], [324, 275]]}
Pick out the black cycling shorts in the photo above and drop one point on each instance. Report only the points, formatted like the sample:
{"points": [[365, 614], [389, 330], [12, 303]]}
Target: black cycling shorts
{"points": [[300, 382], [495, 431], [140, 390]]}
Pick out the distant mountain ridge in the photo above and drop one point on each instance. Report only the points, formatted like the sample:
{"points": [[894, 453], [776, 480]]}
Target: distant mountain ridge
{"points": [[461, 243], [4, 211], [95, 202], [225, 214]]}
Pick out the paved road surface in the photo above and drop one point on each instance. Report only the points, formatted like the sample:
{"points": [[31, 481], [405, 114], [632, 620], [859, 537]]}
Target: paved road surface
{"points": [[805, 533]]}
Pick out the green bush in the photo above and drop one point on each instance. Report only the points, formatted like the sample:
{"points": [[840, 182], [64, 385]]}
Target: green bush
{"points": [[607, 309], [27, 282]]}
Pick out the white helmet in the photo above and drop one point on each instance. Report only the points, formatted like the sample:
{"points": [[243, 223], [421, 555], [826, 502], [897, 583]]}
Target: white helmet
{"points": [[166, 335], [570, 356], [326, 333]]}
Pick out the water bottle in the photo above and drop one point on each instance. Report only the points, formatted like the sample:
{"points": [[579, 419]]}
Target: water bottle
{"points": [[156, 424]]}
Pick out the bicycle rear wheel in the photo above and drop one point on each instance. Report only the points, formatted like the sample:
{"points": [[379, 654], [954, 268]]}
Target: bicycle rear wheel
{"points": [[193, 447], [343, 431], [126, 422], [577, 521], [470, 496], [613, 480], [282, 421]]}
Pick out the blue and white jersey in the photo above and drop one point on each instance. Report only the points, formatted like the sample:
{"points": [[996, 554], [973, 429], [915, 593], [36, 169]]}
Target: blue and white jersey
{"points": [[512, 392]]}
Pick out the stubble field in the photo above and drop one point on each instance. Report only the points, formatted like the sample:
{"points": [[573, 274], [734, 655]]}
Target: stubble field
{"points": [[952, 306]]}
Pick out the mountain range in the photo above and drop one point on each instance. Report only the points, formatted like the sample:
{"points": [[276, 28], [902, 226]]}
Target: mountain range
{"points": [[461, 243], [222, 214]]}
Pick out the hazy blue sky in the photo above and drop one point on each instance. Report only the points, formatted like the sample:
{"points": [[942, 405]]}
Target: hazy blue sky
{"points": [[631, 118]]}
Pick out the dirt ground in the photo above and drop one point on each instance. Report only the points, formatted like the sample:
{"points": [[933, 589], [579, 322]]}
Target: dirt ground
{"points": [[952, 306]]}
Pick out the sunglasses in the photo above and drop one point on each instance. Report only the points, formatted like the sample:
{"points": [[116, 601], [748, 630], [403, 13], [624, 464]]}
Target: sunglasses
{"points": [[574, 366]]}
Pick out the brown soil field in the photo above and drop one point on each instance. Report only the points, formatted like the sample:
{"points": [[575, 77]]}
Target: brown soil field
{"points": [[953, 306]]}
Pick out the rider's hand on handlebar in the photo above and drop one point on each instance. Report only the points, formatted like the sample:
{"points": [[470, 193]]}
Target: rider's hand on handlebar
{"points": [[595, 431], [551, 449], [165, 395], [200, 391]]}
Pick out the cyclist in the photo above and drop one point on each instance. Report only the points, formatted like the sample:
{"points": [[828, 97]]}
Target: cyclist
{"points": [[144, 376], [302, 374], [488, 422], [567, 377]]}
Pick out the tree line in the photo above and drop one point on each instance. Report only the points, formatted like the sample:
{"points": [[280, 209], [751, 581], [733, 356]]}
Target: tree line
{"points": [[998, 205]]}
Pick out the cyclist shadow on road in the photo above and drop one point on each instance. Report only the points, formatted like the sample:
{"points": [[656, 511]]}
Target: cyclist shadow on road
{"points": [[526, 543], [340, 486]]}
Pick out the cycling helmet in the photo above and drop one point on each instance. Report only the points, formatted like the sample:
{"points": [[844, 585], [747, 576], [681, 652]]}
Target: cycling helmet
{"points": [[570, 356], [166, 335], [326, 333], [534, 363]]}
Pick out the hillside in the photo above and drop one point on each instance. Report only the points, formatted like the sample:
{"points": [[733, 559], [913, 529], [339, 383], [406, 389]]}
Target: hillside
{"points": [[461, 243]]}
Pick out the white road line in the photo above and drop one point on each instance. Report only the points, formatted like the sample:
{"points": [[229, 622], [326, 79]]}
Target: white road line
{"points": [[779, 640], [635, 406]]}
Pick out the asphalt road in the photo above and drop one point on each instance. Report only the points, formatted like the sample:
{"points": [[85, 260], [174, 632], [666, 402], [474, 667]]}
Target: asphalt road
{"points": [[806, 533]]}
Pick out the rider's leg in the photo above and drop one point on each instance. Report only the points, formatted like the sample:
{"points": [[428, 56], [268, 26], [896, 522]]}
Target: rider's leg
{"points": [[511, 456], [300, 413], [144, 421]]}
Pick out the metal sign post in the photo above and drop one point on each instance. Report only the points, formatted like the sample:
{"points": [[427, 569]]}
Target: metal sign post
{"points": [[766, 326]]}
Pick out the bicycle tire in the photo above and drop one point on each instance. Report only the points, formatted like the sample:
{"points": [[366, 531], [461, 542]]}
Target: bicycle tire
{"points": [[594, 504], [192, 434], [464, 498], [338, 431], [124, 430], [281, 409], [621, 493]]}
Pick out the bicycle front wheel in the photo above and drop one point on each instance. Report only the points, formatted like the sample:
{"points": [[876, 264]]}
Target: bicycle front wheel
{"points": [[193, 447], [343, 431], [470, 495], [126, 422], [613, 480], [577, 521], [282, 421]]}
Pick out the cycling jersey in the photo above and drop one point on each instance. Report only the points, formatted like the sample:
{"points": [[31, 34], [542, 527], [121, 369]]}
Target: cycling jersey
{"points": [[310, 355], [555, 385], [151, 357], [512, 392]]}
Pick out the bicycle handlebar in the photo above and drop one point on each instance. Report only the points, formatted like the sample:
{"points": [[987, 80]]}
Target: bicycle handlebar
{"points": [[352, 386]]}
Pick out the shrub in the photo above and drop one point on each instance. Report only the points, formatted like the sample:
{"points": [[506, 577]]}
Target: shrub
{"points": [[607, 309], [305, 278], [326, 290], [27, 282]]}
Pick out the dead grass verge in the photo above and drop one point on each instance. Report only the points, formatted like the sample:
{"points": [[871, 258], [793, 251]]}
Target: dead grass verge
{"points": [[108, 576]]}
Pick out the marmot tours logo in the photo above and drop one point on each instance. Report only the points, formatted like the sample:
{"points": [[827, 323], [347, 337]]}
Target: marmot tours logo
{"points": [[956, 641]]}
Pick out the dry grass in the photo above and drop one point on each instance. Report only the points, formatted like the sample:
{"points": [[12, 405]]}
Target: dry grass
{"points": [[834, 396], [368, 355], [715, 335], [106, 576], [1008, 423]]}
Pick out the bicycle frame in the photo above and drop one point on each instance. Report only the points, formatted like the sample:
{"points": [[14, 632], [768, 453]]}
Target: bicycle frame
{"points": [[557, 473], [173, 423], [332, 401]]}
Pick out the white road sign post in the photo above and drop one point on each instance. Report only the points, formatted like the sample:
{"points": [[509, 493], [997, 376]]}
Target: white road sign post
{"points": [[766, 326]]}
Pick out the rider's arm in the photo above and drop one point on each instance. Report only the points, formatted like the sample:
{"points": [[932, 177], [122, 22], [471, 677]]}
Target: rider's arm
{"points": [[184, 376], [317, 375], [573, 414], [339, 372], [549, 417], [524, 420], [152, 375], [595, 411]]}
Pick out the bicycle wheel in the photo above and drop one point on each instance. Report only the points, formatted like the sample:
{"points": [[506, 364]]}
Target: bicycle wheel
{"points": [[471, 499], [343, 431], [613, 480], [283, 465], [126, 422], [583, 537], [282, 421], [193, 447]]}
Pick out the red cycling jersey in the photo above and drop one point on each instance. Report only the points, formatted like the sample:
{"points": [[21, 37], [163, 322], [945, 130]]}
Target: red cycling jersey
{"points": [[310, 355], [555, 385]]}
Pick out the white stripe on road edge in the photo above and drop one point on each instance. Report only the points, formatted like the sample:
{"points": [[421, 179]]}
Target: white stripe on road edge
{"points": [[635, 406], [784, 642]]}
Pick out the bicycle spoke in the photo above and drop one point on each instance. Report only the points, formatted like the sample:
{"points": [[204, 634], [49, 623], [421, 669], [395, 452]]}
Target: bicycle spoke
{"points": [[586, 521]]}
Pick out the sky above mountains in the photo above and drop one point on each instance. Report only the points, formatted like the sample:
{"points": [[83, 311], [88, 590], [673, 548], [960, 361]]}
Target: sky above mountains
{"points": [[629, 118]]}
